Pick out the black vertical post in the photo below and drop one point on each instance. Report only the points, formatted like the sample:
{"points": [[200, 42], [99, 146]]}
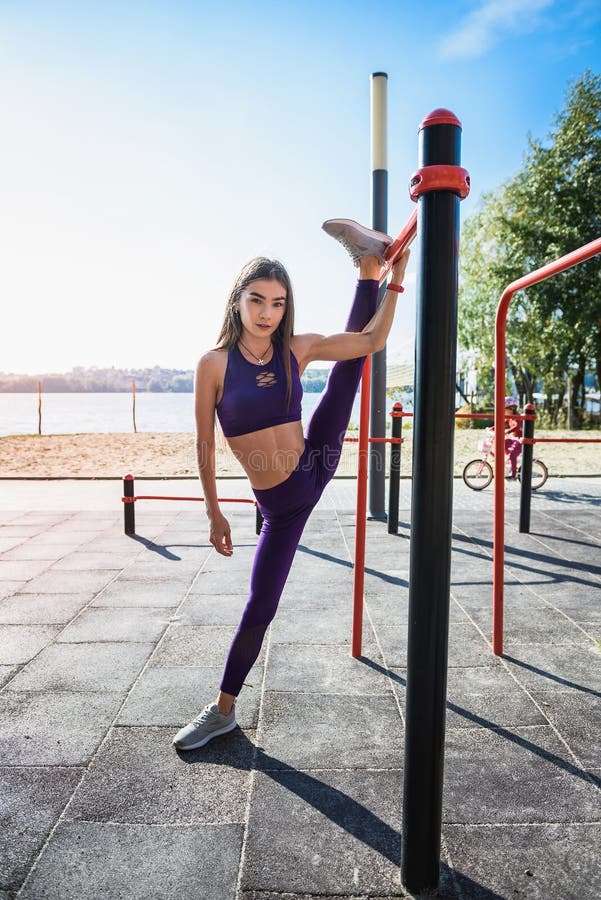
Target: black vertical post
{"points": [[258, 520], [395, 469], [379, 205], [129, 511], [432, 497], [526, 471]]}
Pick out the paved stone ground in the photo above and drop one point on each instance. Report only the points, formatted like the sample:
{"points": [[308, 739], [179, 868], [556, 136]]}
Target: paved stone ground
{"points": [[108, 644]]}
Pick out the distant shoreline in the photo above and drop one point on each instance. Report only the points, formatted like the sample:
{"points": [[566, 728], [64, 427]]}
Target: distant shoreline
{"points": [[173, 454]]}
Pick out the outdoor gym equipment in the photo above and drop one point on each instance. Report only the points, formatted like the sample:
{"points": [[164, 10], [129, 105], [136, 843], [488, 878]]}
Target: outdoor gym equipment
{"points": [[129, 498], [552, 268]]}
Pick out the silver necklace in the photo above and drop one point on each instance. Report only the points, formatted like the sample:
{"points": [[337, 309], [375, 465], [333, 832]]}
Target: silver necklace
{"points": [[260, 359]]}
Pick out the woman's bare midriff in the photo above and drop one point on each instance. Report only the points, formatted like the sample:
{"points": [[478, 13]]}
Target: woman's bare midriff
{"points": [[269, 456]]}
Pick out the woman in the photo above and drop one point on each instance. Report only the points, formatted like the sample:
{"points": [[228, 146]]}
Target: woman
{"points": [[252, 381]]}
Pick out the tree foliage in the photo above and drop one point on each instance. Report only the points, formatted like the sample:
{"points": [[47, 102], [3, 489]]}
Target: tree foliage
{"points": [[551, 207]]}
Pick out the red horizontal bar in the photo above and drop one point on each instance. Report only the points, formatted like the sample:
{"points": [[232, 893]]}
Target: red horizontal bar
{"points": [[561, 440], [524, 418], [554, 268]]}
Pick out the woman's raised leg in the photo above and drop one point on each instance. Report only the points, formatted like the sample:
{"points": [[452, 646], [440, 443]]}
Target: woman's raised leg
{"points": [[328, 424]]}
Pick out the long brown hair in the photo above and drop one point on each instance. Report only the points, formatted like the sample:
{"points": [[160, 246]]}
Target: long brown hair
{"points": [[231, 329]]}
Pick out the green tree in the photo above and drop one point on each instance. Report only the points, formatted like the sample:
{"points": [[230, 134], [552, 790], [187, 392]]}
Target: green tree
{"points": [[551, 207]]}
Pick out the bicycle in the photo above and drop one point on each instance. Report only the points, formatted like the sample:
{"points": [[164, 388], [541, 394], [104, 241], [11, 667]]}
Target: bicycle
{"points": [[478, 473]]}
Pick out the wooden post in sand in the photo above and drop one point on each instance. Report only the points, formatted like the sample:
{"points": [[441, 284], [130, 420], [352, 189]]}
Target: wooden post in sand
{"points": [[133, 394]]}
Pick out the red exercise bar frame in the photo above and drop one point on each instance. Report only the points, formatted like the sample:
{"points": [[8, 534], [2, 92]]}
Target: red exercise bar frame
{"points": [[553, 268]]}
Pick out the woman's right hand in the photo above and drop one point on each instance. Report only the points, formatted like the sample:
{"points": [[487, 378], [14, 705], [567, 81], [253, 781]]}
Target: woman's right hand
{"points": [[398, 270], [220, 535]]}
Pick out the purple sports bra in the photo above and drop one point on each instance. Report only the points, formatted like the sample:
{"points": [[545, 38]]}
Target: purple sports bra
{"points": [[254, 397]]}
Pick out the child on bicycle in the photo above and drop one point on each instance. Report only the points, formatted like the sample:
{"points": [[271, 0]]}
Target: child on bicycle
{"points": [[513, 433]]}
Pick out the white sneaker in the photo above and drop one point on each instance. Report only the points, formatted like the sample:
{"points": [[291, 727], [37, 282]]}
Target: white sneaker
{"points": [[358, 240], [207, 725]]}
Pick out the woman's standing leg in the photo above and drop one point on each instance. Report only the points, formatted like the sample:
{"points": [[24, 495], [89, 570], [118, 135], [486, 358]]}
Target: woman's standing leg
{"points": [[273, 558]]}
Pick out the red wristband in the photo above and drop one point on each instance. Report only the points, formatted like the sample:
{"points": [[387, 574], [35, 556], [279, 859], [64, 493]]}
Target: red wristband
{"points": [[395, 287]]}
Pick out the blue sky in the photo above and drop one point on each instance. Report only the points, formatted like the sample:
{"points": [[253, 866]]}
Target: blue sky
{"points": [[149, 149]]}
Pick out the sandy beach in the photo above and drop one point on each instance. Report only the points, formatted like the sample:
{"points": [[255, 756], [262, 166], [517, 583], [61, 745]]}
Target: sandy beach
{"points": [[170, 454]]}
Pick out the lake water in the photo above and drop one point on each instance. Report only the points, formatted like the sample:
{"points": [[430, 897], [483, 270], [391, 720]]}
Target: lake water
{"points": [[73, 413]]}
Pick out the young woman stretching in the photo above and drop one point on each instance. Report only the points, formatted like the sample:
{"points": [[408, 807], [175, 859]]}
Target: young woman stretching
{"points": [[252, 382]]}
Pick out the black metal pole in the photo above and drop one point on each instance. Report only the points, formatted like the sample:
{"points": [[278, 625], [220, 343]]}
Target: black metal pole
{"points": [[379, 201], [526, 471], [129, 508], [395, 470], [432, 497]]}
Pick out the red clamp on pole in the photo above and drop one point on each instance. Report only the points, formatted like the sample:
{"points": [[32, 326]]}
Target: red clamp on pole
{"points": [[440, 178]]}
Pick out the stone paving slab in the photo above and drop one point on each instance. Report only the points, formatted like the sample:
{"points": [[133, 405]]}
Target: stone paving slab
{"points": [[579, 715], [8, 588], [170, 572], [22, 569], [99, 861], [391, 609], [49, 728], [540, 862], [480, 696], [42, 609], [545, 667], [324, 832], [195, 645], [337, 728], [321, 626], [6, 673], [55, 581], [467, 647], [141, 593], [94, 667], [32, 800], [211, 608], [174, 695], [533, 625], [131, 624], [36, 549], [84, 560], [315, 596], [324, 669], [20, 643], [138, 777], [518, 774]]}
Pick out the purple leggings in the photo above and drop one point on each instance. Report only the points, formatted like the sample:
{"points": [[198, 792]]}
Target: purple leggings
{"points": [[287, 506]]}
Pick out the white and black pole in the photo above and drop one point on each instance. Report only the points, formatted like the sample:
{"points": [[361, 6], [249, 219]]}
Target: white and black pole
{"points": [[379, 208]]}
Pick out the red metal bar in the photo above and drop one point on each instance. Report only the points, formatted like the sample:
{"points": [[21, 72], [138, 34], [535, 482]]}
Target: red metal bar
{"points": [[405, 238], [561, 440], [359, 570], [553, 268], [523, 418]]}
